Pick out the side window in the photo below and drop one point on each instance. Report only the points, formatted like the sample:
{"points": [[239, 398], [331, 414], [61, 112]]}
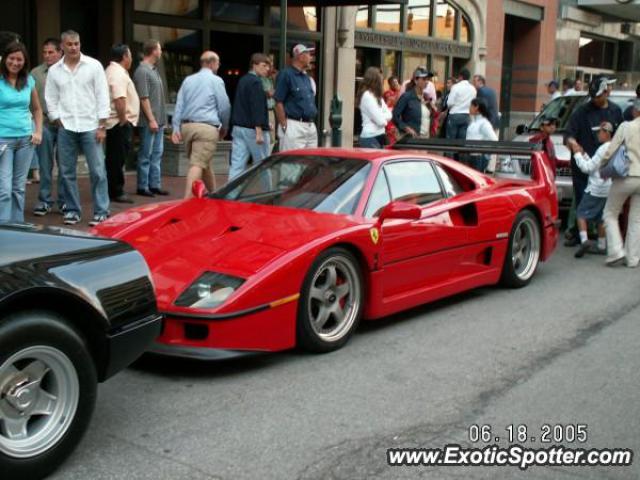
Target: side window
{"points": [[413, 182], [379, 196], [451, 185]]}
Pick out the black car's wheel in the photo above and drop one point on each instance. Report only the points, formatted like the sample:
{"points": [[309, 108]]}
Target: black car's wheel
{"points": [[523, 253], [331, 301], [47, 393]]}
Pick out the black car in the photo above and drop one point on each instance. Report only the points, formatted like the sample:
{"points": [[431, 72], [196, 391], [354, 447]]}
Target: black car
{"points": [[74, 310]]}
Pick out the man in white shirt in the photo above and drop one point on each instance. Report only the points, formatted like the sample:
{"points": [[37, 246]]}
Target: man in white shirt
{"points": [[459, 102], [77, 98], [552, 90]]}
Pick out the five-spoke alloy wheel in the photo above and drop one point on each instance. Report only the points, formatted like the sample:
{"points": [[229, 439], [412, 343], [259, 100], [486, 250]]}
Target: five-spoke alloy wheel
{"points": [[47, 392], [331, 301], [523, 253]]}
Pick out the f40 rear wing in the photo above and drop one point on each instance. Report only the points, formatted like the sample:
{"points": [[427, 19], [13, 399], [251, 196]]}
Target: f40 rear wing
{"points": [[467, 146]]}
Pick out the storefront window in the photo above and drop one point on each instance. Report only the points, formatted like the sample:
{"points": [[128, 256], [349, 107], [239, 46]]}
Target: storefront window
{"points": [[411, 61], [362, 17], [465, 32], [445, 20], [390, 65], [418, 17], [241, 11], [596, 53], [181, 51], [187, 8], [298, 18], [439, 67], [388, 18]]}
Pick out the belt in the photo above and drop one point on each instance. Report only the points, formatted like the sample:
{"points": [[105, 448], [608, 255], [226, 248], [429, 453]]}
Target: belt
{"points": [[301, 119], [204, 123]]}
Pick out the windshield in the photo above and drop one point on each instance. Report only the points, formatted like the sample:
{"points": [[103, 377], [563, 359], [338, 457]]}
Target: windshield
{"points": [[562, 108], [322, 184]]}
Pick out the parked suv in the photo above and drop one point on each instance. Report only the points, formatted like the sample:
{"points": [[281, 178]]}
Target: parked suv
{"points": [[560, 108]]}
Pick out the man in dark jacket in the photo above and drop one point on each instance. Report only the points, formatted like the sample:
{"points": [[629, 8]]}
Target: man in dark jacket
{"points": [[580, 132], [250, 118], [489, 96]]}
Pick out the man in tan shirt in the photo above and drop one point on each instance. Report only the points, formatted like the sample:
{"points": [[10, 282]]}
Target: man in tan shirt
{"points": [[125, 111]]}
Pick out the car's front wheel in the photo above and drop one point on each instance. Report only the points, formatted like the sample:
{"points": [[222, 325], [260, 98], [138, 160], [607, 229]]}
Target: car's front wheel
{"points": [[523, 254], [47, 393], [331, 301]]}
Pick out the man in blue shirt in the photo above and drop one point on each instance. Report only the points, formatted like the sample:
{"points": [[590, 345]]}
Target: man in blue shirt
{"points": [[201, 118], [250, 119], [295, 103]]}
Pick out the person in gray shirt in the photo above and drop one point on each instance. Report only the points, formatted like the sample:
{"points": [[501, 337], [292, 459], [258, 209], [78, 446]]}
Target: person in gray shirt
{"points": [[151, 90]]}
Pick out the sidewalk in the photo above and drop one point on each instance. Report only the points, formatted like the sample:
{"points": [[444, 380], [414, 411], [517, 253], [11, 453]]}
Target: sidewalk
{"points": [[175, 185]]}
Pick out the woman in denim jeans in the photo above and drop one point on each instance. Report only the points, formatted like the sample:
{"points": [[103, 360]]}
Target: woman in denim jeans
{"points": [[20, 106]]}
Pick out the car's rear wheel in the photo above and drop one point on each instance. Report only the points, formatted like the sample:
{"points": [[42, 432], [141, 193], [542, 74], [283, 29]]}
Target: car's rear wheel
{"points": [[47, 393], [331, 301], [523, 253]]}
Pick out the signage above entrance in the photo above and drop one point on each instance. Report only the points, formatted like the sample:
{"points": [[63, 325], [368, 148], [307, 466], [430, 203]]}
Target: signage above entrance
{"points": [[401, 42]]}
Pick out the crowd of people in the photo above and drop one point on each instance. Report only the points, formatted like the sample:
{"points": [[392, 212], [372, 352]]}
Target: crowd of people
{"points": [[70, 104], [467, 109]]}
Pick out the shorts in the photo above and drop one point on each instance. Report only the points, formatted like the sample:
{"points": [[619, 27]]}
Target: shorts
{"points": [[201, 141], [591, 208]]}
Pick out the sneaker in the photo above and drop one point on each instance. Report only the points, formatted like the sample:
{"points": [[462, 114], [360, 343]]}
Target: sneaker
{"points": [[616, 261], [62, 208], [582, 249], [97, 219], [159, 191], [41, 210], [71, 218]]}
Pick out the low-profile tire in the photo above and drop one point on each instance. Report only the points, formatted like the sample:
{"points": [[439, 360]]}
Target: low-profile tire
{"points": [[523, 252], [48, 388], [331, 301]]}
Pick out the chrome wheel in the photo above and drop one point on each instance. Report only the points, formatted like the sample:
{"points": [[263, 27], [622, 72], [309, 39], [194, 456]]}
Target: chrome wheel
{"points": [[334, 298], [525, 248], [39, 394]]}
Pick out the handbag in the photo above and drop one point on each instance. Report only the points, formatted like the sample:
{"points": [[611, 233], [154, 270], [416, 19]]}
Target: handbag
{"points": [[618, 166]]}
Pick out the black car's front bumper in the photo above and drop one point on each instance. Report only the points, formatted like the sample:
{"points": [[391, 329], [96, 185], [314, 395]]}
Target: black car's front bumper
{"points": [[129, 342]]}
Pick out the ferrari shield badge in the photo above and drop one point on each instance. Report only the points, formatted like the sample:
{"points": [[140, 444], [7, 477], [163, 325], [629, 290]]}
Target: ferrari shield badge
{"points": [[375, 235]]}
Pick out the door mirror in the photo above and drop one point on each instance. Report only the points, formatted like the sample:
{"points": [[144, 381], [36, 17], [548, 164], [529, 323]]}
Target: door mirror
{"points": [[198, 189], [522, 128], [400, 210]]}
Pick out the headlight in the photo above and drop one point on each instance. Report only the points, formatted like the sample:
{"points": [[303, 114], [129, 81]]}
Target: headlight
{"points": [[209, 290]]}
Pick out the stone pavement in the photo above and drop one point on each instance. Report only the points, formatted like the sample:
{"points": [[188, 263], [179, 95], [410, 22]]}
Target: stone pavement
{"points": [[175, 185]]}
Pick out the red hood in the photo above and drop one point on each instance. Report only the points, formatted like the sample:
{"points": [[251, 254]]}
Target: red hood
{"points": [[180, 240]]}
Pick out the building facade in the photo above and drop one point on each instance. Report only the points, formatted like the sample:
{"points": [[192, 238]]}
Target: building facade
{"points": [[518, 45]]}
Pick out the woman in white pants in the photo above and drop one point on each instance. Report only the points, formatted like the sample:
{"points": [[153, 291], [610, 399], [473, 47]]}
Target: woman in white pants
{"points": [[628, 134]]}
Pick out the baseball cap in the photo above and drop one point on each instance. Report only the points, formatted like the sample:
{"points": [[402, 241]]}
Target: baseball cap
{"points": [[300, 48], [599, 85], [422, 73], [606, 126], [547, 120], [554, 83]]}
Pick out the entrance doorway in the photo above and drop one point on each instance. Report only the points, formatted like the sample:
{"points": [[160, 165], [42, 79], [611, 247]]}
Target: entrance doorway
{"points": [[235, 50]]}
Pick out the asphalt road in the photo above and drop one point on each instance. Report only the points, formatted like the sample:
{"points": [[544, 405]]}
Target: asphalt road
{"points": [[563, 350]]}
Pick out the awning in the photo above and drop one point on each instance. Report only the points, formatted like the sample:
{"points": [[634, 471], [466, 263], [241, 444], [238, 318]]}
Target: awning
{"points": [[620, 10]]}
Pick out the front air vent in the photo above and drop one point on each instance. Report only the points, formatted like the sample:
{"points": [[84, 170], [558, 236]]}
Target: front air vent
{"points": [[196, 331]]}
